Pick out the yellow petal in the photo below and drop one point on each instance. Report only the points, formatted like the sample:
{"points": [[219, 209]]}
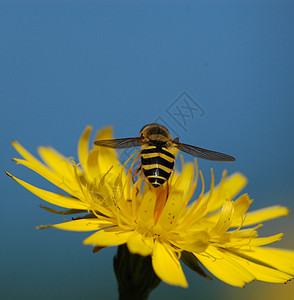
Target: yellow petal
{"points": [[102, 159], [53, 178], [57, 162], [107, 157], [224, 267], [137, 244], [32, 163], [185, 179], [245, 233], [195, 210], [192, 242], [108, 237], [146, 212], [265, 214], [167, 266], [80, 225], [83, 148], [279, 259], [104, 134], [266, 240], [169, 216], [236, 240], [56, 199], [241, 206], [225, 217], [260, 272], [107, 160], [26, 155], [92, 164], [227, 189]]}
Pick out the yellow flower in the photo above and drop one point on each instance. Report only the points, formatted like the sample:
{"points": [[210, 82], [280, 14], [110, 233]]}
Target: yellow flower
{"points": [[163, 223]]}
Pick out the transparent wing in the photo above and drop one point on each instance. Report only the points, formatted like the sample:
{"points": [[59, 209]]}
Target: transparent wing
{"points": [[119, 143], [203, 153]]}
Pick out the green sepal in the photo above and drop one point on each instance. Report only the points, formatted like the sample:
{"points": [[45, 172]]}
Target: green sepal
{"points": [[190, 260], [63, 212], [135, 275]]}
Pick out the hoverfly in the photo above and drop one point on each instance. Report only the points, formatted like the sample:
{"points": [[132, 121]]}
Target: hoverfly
{"points": [[157, 152]]}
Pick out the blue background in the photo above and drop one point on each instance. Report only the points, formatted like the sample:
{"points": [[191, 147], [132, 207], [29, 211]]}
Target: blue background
{"points": [[68, 64]]}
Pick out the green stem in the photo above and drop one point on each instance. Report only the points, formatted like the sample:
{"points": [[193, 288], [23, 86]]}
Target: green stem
{"points": [[135, 276]]}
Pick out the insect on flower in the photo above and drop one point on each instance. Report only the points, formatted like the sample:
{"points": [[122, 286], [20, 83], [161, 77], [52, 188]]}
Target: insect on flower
{"points": [[157, 152], [167, 225]]}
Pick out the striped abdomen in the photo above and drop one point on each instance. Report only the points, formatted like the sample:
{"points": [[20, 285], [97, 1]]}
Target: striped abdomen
{"points": [[157, 164]]}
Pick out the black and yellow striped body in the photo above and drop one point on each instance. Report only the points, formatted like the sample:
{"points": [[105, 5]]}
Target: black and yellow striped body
{"points": [[158, 152], [157, 162]]}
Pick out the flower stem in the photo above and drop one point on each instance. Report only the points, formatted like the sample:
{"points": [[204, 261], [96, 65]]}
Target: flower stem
{"points": [[134, 273]]}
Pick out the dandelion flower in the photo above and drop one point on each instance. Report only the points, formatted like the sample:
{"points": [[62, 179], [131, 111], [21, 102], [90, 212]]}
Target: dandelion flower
{"points": [[165, 224]]}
